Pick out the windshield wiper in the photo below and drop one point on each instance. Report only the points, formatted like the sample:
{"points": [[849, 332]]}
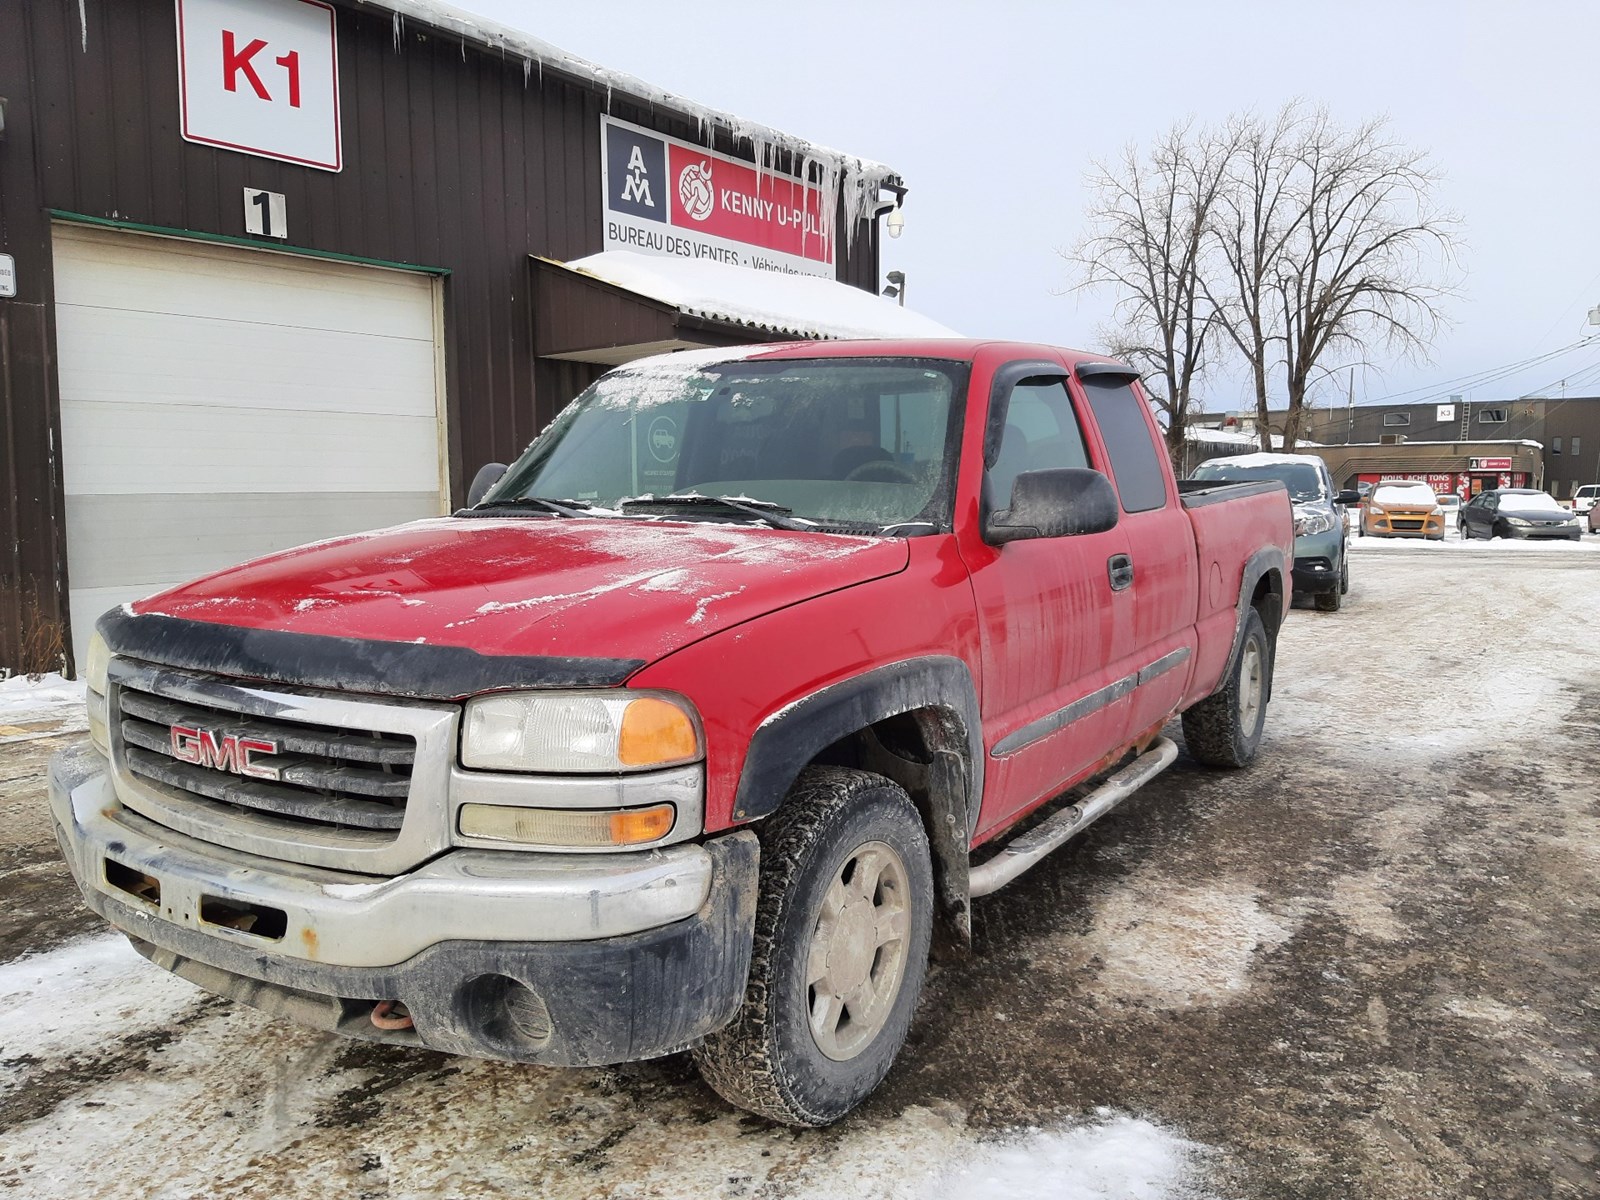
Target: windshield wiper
{"points": [[775, 515], [561, 508]]}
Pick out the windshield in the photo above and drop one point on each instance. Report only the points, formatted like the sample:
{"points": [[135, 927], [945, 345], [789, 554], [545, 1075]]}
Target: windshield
{"points": [[1303, 480], [851, 441], [1531, 501], [1416, 494]]}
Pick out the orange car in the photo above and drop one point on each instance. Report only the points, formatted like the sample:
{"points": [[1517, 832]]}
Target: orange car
{"points": [[1403, 508]]}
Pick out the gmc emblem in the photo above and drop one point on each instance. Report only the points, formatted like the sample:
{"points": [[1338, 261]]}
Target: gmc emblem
{"points": [[222, 752]]}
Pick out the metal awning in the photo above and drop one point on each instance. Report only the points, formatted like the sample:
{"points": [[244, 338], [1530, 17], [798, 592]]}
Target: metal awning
{"points": [[617, 306]]}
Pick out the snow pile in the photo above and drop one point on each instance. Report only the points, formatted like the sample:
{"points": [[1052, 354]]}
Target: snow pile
{"points": [[1119, 1158], [71, 999], [803, 305], [24, 699]]}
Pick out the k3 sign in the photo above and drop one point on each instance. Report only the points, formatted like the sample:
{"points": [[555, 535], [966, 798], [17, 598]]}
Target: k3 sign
{"points": [[261, 77]]}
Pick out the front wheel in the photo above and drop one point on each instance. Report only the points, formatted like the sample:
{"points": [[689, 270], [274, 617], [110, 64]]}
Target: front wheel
{"points": [[1224, 729], [843, 923]]}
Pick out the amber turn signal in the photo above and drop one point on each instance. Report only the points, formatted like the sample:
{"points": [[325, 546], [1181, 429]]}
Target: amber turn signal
{"points": [[570, 827], [654, 731]]}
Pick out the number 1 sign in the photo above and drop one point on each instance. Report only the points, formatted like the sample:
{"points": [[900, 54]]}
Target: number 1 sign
{"points": [[261, 77]]}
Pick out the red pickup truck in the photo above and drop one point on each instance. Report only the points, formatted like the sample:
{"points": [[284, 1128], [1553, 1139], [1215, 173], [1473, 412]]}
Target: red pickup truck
{"points": [[691, 731]]}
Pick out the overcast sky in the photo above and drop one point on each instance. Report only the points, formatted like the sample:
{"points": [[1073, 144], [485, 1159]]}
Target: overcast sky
{"points": [[993, 111]]}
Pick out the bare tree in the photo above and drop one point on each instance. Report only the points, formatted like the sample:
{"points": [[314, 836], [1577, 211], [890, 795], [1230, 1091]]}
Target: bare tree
{"points": [[1364, 266], [1253, 220], [1294, 242], [1147, 231]]}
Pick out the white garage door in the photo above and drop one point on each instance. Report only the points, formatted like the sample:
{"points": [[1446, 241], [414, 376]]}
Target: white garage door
{"points": [[220, 403]]}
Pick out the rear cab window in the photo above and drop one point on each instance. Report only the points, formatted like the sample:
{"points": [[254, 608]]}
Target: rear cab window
{"points": [[1136, 464]]}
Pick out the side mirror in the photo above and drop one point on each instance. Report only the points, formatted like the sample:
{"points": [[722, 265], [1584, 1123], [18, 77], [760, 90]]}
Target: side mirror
{"points": [[1348, 496], [1050, 504], [488, 475]]}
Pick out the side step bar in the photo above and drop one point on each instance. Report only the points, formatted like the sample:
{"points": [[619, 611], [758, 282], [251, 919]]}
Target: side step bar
{"points": [[1027, 850]]}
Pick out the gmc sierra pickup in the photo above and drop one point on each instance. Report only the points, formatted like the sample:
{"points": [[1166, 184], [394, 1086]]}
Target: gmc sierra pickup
{"points": [[753, 670]]}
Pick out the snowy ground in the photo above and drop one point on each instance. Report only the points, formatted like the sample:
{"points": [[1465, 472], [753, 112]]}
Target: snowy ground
{"points": [[30, 707], [1365, 968]]}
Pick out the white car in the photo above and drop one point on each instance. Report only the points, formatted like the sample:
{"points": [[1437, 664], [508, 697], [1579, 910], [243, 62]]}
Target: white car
{"points": [[1585, 497], [1451, 503]]}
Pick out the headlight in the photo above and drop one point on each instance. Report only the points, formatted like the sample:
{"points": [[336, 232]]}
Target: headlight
{"points": [[1517, 521], [1438, 511], [96, 671], [1312, 521], [578, 731], [96, 664]]}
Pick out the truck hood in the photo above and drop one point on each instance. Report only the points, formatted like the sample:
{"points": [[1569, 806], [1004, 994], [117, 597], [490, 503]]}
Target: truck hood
{"points": [[586, 587]]}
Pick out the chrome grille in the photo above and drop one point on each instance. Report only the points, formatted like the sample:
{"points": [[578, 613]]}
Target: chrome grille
{"points": [[354, 783], [359, 781]]}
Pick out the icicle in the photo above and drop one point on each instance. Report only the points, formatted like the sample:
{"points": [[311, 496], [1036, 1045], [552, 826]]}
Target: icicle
{"points": [[83, 26], [527, 70], [397, 29]]}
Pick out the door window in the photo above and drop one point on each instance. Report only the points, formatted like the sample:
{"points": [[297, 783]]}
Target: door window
{"points": [[1041, 434]]}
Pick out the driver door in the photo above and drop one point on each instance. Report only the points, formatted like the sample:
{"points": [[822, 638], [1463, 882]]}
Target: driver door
{"points": [[1054, 625]]}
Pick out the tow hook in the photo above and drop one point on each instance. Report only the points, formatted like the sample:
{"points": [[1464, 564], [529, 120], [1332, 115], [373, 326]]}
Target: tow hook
{"points": [[390, 1014]]}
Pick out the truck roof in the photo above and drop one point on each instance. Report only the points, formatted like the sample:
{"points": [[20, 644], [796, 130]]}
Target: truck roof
{"points": [[961, 349]]}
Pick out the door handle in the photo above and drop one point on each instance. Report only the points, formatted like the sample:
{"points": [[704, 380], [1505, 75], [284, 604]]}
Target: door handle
{"points": [[1119, 567]]}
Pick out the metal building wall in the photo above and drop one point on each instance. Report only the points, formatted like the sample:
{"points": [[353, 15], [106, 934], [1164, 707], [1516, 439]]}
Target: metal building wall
{"points": [[455, 158]]}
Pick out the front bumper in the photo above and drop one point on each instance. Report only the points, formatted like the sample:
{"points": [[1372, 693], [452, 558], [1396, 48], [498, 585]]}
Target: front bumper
{"points": [[1530, 532], [557, 959], [1414, 525], [1315, 576]]}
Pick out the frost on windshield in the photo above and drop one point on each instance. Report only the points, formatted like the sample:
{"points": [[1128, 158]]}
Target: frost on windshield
{"points": [[846, 441]]}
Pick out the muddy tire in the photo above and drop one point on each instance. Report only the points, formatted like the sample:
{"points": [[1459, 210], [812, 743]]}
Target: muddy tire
{"points": [[843, 923], [1329, 601], [1224, 730], [1344, 573]]}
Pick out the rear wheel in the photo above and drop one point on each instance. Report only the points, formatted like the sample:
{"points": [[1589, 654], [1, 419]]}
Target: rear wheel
{"points": [[843, 923], [1224, 730]]}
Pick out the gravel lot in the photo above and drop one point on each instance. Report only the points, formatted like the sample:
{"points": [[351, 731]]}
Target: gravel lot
{"points": [[1367, 967]]}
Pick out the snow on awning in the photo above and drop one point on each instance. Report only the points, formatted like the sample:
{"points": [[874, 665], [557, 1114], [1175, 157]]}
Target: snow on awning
{"points": [[803, 306]]}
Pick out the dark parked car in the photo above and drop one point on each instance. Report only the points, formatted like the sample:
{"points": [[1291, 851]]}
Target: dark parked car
{"points": [[1321, 566], [1517, 513]]}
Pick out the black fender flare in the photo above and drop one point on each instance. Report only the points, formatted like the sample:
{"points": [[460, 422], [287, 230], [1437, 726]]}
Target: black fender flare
{"points": [[791, 737], [1269, 561]]}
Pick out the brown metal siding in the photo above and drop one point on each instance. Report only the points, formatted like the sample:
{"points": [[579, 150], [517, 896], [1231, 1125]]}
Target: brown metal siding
{"points": [[453, 159]]}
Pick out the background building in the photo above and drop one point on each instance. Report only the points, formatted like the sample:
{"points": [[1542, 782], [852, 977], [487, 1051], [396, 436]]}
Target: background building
{"points": [[1458, 438], [284, 269]]}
